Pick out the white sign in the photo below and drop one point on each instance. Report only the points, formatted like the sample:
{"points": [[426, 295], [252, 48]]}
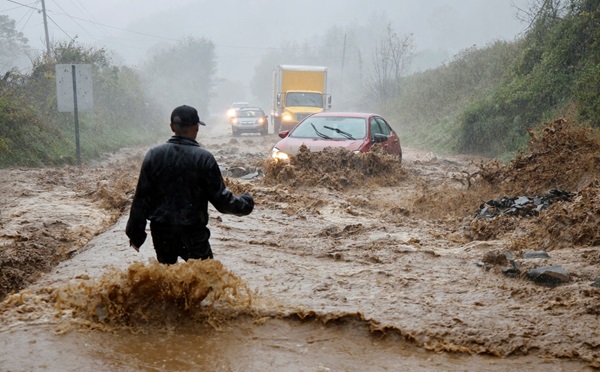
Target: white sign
{"points": [[83, 84]]}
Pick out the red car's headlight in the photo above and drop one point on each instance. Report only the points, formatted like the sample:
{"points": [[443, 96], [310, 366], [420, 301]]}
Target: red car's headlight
{"points": [[279, 155]]}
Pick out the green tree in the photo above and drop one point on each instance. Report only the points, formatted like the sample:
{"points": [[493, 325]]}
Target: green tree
{"points": [[183, 73], [430, 102], [391, 61], [13, 45]]}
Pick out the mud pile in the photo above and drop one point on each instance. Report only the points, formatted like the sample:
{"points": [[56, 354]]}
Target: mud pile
{"points": [[335, 168], [563, 156]]}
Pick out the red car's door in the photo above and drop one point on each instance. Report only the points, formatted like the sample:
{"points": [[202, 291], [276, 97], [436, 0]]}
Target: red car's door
{"points": [[393, 140], [378, 125]]}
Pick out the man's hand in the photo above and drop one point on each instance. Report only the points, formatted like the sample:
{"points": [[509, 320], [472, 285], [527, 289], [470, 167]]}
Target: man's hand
{"points": [[137, 249], [248, 199]]}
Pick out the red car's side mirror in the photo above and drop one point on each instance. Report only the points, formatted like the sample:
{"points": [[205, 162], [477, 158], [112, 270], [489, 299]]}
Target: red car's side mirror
{"points": [[284, 133], [379, 138]]}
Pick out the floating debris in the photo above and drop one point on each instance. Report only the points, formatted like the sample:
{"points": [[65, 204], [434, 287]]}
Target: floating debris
{"points": [[521, 206], [242, 172], [549, 275], [536, 254], [512, 271]]}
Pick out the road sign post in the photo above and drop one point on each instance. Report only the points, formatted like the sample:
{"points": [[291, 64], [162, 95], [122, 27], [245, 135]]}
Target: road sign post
{"points": [[74, 93]]}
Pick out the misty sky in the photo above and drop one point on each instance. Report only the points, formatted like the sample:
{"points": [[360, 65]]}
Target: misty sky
{"points": [[243, 30]]}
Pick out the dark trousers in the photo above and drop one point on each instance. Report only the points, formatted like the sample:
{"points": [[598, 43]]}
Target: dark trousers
{"points": [[171, 242]]}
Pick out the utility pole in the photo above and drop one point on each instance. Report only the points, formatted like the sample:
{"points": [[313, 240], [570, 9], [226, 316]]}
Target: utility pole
{"points": [[45, 20], [46, 27], [343, 60]]}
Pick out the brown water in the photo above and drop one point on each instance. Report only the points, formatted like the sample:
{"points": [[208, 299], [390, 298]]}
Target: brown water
{"points": [[342, 278], [161, 318], [241, 345]]}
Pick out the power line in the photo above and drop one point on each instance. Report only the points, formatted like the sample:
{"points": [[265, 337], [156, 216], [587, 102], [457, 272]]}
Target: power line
{"points": [[87, 13], [30, 13], [74, 20], [22, 5], [113, 27], [56, 24], [9, 9], [137, 32]]}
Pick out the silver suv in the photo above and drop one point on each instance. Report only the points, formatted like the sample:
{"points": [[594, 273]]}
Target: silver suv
{"points": [[250, 120]]}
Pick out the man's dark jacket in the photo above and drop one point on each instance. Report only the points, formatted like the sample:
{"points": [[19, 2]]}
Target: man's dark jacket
{"points": [[177, 180]]}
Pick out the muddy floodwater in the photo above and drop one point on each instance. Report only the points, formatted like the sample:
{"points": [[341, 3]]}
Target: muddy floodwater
{"points": [[333, 271]]}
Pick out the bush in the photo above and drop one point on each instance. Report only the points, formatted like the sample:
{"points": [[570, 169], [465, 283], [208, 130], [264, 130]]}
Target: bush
{"points": [[557, 68], [34, 133]]}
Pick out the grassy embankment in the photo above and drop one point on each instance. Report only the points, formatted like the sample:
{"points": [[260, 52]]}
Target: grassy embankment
{"points": [[486, 99], [34, 133]]}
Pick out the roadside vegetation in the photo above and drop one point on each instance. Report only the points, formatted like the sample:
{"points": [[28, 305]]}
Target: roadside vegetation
{"points": [[487, 99], [484, 100], [127, 111], [34, 133]]}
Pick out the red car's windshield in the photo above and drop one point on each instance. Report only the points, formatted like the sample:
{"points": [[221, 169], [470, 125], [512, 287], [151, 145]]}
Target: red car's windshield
{"points": [[331, 127]]}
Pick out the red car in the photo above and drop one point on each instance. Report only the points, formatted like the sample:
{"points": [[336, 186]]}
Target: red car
{"points": [[355, 131]]}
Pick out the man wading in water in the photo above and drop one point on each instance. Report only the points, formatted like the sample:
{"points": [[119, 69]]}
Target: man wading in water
{"points": [[177, 180]]}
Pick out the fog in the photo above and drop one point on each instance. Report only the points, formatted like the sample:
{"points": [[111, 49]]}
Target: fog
{"points": [[244, 31]]}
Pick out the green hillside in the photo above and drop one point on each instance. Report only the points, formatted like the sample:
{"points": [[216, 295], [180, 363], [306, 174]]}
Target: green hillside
{"points": [[486, 99]]}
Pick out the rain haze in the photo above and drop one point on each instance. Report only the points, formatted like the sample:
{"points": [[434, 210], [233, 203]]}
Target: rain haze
{"points": [[244, 31]]}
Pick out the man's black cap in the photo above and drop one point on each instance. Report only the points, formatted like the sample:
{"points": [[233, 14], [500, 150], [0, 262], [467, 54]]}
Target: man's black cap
{"points": [[185, 115]]}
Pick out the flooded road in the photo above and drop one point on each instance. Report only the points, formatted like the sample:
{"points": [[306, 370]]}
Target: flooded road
{"points": [[337, 276]]}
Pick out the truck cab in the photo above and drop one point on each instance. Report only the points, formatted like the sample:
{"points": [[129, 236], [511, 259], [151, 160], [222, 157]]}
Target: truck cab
{"points": [[299, 91], [298, 105]]}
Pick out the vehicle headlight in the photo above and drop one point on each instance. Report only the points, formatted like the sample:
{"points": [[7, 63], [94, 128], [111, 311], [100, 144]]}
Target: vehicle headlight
{"points": [[287, 117], [235, 120], [279, 155], [260, 120], [231, 113]]}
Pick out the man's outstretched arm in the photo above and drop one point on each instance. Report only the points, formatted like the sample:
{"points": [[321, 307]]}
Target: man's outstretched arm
{"points": [[222, 198]]}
